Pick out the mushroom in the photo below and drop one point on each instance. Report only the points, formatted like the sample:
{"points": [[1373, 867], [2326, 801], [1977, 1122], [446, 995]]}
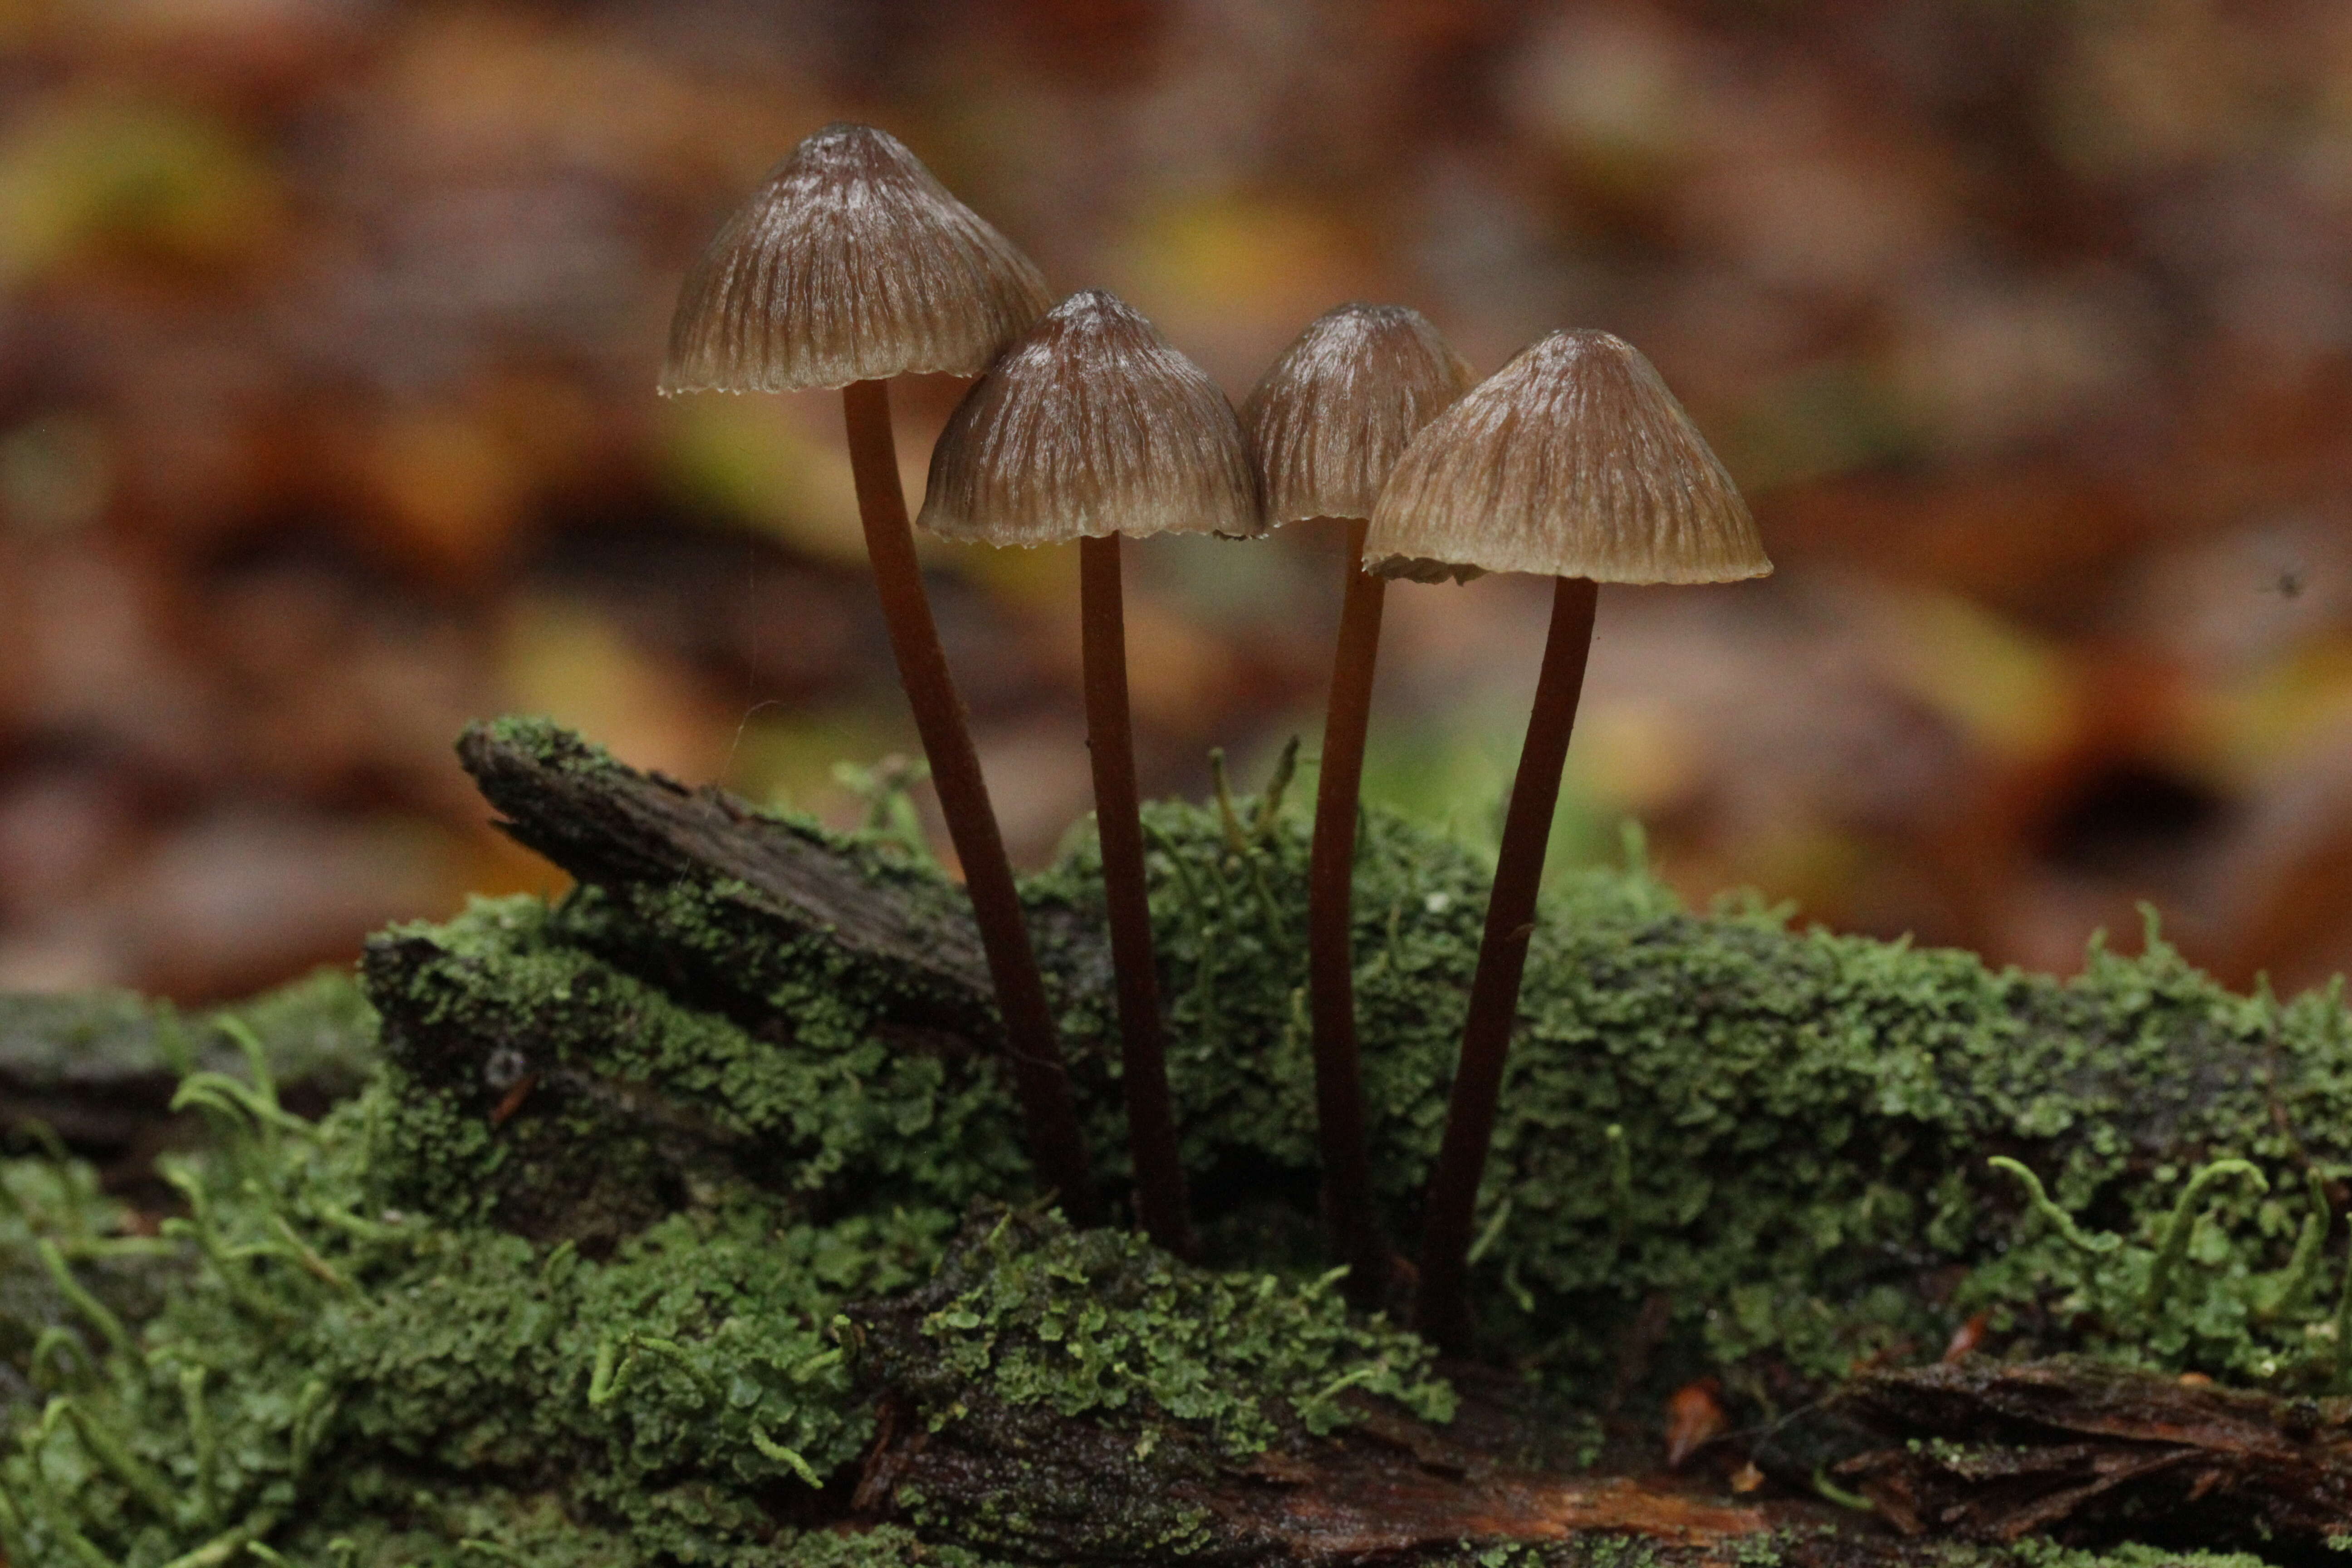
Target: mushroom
{"points": [[1091, 427], [1575, 462], [853, 264], [1326, 425]]}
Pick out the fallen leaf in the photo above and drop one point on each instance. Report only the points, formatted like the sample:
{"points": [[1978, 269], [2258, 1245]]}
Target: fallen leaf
{"points": [[1695, 1418]]}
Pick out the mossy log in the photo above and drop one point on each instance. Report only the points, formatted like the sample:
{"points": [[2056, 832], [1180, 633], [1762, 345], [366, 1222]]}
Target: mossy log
{"points": [[1733, 1148], [985, 1438], [1723, 1139], [686, 1220]]}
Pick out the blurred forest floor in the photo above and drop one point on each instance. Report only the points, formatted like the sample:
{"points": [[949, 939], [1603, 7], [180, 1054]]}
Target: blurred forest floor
{"points": [[329, 330]]}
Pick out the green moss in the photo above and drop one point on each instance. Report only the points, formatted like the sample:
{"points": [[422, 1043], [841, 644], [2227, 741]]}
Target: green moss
{"points": [[2131, 1554], [886, 1546], [57, 1228], [563, 1283], [635, 1104], [349, 1382], [321, 1358], [443, 1526], [1779, 1136], [1101, 1324]]}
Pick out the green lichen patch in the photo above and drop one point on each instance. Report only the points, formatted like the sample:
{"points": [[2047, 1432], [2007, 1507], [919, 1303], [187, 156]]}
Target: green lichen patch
{"points": [[336, 1380], [2130, 1555], [323, 1365], [1100, 1324], [1079, 1396], [1807, 1120], [1771, 1142], [536, 1084], [1775, 1138], [2190, 1292]]}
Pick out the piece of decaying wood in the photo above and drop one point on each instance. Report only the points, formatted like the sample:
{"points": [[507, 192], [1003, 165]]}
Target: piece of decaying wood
{"points": [[1993, 1452], [619, 828], [1087, 1499]]}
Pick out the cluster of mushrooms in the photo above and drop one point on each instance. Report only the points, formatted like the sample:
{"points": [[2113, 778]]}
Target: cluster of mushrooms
{"points": [[853, 264]]}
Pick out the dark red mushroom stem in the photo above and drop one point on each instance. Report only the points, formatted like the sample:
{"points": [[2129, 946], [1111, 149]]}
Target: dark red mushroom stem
{"points": [[1348, 1209], [1110, 739], [1040, 1080], [1441, 1311]]}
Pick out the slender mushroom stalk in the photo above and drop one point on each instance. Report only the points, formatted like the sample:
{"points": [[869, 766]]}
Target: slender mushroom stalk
{"points": [[1326, 425], [1160, 1198], [1090, 426], [1448, 1213], [1349, 1210], [853, 264], [1574, 462]]}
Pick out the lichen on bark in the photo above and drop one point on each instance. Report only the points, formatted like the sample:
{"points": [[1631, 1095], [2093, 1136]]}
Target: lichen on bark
{"points": [[639, 1244]]}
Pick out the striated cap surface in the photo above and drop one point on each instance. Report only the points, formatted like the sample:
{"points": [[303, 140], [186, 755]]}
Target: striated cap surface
{"points": [[1573, 460], [1331, 417], [851, 263], [1091, 424]]}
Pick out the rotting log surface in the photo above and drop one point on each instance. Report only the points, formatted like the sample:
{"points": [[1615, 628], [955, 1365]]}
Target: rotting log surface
{"points": [[1023, 1479], [1347, 1500], [1991, 1452], [1980, 1451], [623, 830]]}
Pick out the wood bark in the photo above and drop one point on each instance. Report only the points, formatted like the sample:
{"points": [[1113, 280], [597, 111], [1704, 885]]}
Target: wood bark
{"points": [[1992, 1452], [618, 828]]}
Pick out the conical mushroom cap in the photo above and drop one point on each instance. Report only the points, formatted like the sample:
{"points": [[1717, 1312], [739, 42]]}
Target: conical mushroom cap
{"points": [[1334, 414], [851, 263], [1573, 460], [1091, 425]]}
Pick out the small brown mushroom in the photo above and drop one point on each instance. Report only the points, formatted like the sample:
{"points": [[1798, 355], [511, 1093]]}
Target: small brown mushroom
{"points": [[1326, 425], [850, 265], [1575, 462], [1091, 427]]}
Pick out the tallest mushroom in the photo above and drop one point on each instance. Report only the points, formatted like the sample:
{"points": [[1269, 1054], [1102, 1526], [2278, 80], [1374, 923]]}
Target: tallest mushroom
{"points": [[853, 264]]}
